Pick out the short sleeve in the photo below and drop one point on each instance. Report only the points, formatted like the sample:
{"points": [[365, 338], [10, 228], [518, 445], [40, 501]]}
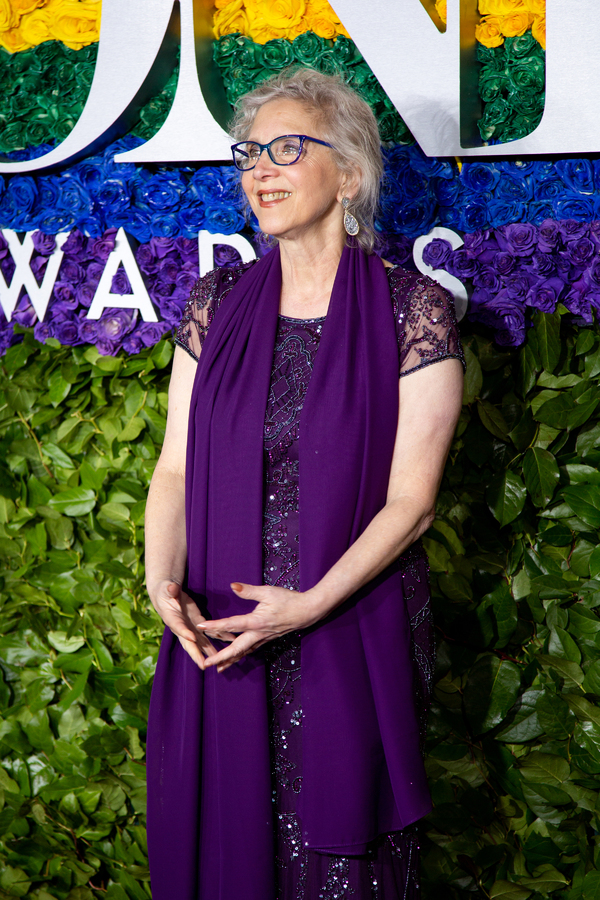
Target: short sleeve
{"points": [[205, 298], [425, 321]]}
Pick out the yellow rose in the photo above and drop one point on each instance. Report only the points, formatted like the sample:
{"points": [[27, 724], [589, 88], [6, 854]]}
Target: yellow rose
{"points": [[326, 26], [537, 7], [282, 14], [261, 33], [440, 8], [231, 18], [501, 7], [12, 40], [516, 24], [75, 22], [488, 31], [7, 18], [22, 7], [538, 30], [35, 27]]}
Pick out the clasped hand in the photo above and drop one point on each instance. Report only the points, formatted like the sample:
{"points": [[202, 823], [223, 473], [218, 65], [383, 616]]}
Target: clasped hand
{"points": [[278, 611]]}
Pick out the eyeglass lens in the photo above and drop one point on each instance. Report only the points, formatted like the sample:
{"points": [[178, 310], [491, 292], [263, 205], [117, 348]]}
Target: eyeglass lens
{"points": [[284, 151]]}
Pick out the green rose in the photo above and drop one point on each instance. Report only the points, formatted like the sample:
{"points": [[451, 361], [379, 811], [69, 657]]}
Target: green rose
{"points": [[493, 57], [495, 114], [392, 128], [519, 47], [309, 47], [12, 137], [226, 47], [526, 103], [346, 51], [249, 55], [492, 84], [277, 54], [528, 75], [520, 127], [331, 66]]}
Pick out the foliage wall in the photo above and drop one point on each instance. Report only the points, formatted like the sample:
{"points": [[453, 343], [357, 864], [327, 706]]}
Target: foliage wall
{"points": [[514, 745]]}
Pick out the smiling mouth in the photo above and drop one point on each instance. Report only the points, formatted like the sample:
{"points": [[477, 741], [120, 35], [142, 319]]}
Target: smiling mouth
{"points": [[267, 197]]}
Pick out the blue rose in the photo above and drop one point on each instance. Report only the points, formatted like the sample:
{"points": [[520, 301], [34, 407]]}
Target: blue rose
{"points": [[549, 188], [430, 166], [113, 197], [415, 218], [53, 222], [164, 225], [503, 212], [161, 193], [18, 202], [474, 214], [74, 197], [480, 177], [514, 189], [578, 174], [191, 219], [574, 207], [223, 219], [539, 211], [92, 226], [446, 191]]}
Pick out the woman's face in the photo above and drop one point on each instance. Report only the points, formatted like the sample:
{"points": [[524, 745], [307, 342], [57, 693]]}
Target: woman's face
{"points": [[292, 201]]}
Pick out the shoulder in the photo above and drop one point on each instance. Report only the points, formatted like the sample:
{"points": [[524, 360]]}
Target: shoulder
{"points": [[212, 287], [413, 289]]}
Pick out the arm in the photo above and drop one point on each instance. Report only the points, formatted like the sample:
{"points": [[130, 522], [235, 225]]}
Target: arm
{"points": [[430, 403], [166, 551]]}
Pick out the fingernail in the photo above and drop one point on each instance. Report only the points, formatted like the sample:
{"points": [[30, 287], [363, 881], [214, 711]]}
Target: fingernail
{"points": [[236, 586]]}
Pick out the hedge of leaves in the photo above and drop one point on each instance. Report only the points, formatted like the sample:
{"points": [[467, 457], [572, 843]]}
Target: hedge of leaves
{"points": [[514, 744], [514, 741], [80, 434]]}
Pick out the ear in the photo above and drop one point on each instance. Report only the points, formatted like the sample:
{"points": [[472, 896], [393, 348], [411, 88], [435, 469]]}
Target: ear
{"points": [[349, 186]]}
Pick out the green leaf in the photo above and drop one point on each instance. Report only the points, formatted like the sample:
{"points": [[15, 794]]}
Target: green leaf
{"points": [[547, 330], [74, 501], [562, 644], [568, 670], [492, 419], [64, 644], [506, 497], [114, 513], [58, 388], [132, 430], [554, 716], [584, 501], [541, 475], [473, 377], [524, 431], [591, 682], [506, 890], [490, 692], [590, 889]]}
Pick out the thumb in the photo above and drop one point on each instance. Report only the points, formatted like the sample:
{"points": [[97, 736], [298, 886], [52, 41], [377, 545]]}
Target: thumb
{"points": [[247, 591], [173, 589]]}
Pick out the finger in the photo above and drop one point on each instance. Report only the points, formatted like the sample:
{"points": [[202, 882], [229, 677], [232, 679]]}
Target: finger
{"points": [[191, 648], [241, 647], [235, 624]]}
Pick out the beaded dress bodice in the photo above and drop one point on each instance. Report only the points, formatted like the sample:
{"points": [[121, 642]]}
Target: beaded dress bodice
{"points": [[426, 331]]}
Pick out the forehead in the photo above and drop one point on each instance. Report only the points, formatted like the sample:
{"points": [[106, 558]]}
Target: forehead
{"points": [[279, 117]]}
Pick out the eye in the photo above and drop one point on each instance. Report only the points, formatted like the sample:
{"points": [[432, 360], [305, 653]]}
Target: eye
{"points": [[288, 148], [253, 151]]}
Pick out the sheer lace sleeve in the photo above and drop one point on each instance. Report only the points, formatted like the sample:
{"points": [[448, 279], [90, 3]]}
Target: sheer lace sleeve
{"points": [[425, 321], [205, 298]]}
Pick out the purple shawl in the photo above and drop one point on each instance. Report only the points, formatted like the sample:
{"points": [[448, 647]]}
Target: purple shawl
{"points": [[210, 829]]}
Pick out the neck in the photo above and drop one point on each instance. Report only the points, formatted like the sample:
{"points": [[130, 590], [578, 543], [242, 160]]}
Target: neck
{"points": [[308, 271]]}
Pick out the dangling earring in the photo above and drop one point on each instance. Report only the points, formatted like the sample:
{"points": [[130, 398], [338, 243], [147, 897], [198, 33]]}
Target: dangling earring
{"points": [[350, 222]]}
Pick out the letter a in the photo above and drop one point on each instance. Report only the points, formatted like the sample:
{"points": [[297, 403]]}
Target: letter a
{"points": [[139, 299]]}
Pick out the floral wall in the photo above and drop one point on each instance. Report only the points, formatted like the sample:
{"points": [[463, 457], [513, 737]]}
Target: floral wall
{"points": [[513, 755]]}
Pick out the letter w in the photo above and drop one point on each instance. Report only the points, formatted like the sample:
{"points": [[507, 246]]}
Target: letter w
{"points": [[23, 277]]}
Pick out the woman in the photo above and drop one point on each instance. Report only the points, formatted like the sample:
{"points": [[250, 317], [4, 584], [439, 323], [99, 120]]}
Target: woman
{"points": [[283, 745]]}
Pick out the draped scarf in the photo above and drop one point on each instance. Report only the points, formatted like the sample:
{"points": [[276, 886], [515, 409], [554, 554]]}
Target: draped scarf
{"points": [[210, 817]]}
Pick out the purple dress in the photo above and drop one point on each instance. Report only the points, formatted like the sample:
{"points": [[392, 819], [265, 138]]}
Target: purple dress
{"points": [[427, 333]]}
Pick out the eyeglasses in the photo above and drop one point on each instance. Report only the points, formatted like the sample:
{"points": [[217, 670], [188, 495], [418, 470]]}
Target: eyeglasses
{"points": [[283, 151]]}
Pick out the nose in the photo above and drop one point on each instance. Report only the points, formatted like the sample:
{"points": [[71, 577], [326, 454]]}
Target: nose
{"points": [[264, 164]]}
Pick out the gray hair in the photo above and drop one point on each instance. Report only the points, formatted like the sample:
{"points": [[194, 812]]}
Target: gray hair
{"points": [[347, 122]]}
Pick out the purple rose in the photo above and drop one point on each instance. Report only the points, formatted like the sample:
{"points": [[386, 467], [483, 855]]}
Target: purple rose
{"points": [[120, 282], [504, 315], [41, 331], [65, 330], [592, 274], [114, 323], [146, 259], [398, 249], [76, 246], [64, 293], [503, 263], [187, 249], [106, 348], [88, 331], [543, 264], [581, 299], [93, 273], [168, 271], [24, 314], [549, 235], [161, 246], [3, 246], [186, 280], [133, 344], [226, 255], [519, 238], [462, 265], [594, 233], [579, 252], [488, 279], [573, 230], [44, 243], [170, 312], [517, 285], [102, 247], [544, 295], [85, 294], [437, 252], [151, 333]]}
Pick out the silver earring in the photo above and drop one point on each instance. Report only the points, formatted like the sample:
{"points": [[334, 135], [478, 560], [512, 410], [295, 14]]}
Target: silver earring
{"points": [[351, 225]]}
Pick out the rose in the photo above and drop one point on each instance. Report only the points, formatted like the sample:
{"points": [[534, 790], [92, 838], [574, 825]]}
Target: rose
{"points": [[150, 333], [480, 177], [501, 212], [516, 23], [73, 196], [133, 344], [519, 238], [146, 259], [543, 264], [489, 31], [164, 225], [577, 174], [492, 84], [161, 192], [24, 314], [521, 46], [538, 30], [223, 220], [549, 188], [526, 102], [88, 332], [65, 329], [503, 263], [101, 248], [446, 191], [495, 114], [529, 75], [462, 265], [8, 18], [572, 230], [499, 7], [64, 293], [539, 211], [41, 331], [517, 284], [114, 323], [76, 246], [504, 315], [437, 253], [488, 279], [415, 218], [113, 196], [474, 214], [592, 274], [230, 19], [93, 273], [280, 13], [85, 294], [120, 283], [580, 252], [75, 24], [549, 235], [44, 243], [513, 188], [345, 51], [546, 294]]}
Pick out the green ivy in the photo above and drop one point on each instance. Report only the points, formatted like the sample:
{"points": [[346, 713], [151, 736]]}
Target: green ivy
{"points": [[513, 753]]}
